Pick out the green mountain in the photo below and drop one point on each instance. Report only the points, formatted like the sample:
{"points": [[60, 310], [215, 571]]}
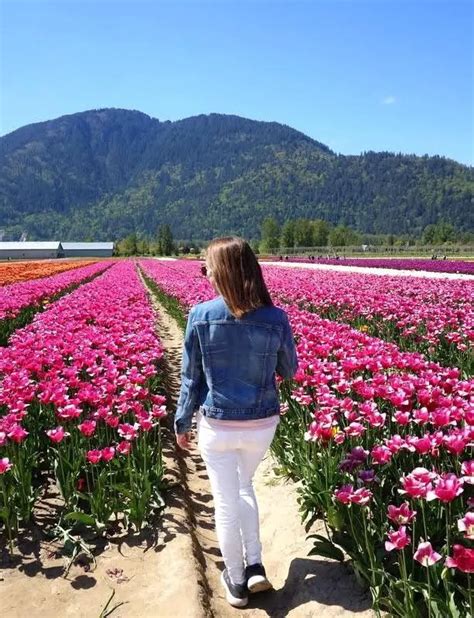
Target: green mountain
{"points": [[102, 174]]}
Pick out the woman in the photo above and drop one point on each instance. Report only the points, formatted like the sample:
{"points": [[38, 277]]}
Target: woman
{"points": [[233, 346]]}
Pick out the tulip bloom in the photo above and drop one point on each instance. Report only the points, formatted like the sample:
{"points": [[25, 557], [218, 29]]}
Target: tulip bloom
{"points": [[57, 435], [462, 559], [343, 494], [426, 555], [398, 539], [381, 455], [448, 487], [87, 428], [17, 434], [124, 447], [94, 456], [5, 465], [108, 453], [401, 515], [467, 470], [466, 525]]}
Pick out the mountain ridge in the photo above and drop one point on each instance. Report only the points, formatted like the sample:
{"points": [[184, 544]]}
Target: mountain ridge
{"points": [[104, 173]]}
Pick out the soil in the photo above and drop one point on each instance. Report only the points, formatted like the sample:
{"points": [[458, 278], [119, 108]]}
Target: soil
{"points": [[174, 569]]}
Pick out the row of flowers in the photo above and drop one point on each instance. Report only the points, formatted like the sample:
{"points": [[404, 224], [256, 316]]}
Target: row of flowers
{"points": [[435, 317], [420, 264], [80, 402], [367, 426], [16, 296], [14, 272], [385, 428], [429, 315]]}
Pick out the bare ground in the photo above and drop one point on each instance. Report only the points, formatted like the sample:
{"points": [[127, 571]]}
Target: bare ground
{"points": [[174, 570]]}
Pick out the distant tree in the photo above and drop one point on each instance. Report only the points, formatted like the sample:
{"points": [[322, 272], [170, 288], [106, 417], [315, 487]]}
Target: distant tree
{"points": [[288, 235], [439, 233], [343, 236], [128, 246], [165, 240], [320, 233], [270, 234], [255, 244], [143, 247]]}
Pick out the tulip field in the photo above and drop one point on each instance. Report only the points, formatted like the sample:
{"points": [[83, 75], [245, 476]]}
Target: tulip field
{"points": [[377, 425], [81, 403]]}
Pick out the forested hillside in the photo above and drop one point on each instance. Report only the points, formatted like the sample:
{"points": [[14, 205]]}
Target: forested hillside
{"points": [[105, 173]]}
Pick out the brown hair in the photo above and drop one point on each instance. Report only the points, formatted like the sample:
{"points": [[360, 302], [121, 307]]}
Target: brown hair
{"points": [[237, 274]]}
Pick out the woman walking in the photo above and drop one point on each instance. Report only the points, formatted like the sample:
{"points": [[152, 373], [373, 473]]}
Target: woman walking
{"points": [[233, 346]]}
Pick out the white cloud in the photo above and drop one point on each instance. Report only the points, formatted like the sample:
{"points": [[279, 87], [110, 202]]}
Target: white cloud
{"points": [[390, 100]]}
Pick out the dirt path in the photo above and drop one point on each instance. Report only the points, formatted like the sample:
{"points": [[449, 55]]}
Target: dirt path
{"points": [[304, 586]]}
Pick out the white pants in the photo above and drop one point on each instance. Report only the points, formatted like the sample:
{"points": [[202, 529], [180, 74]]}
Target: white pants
{"points": [[232, 456]]}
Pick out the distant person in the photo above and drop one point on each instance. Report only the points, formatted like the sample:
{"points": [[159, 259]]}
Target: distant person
{"points": [[233, 347]]}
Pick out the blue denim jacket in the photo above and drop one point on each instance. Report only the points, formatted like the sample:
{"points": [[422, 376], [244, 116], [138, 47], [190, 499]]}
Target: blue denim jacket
{"points": [[229, 364]]}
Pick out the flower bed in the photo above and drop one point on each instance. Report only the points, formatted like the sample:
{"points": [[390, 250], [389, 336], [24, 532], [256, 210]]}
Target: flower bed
{"points": [[79, 403], [20, 301], [427, 265], [16, 272], [430, 316]]}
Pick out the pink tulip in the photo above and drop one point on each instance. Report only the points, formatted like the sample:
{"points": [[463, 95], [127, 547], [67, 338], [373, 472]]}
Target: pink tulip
{"points": [[447, 488], [17, 434], [381, 455], [5, 465], [361, 496], [426, 555], [467, 470], [108, 453], [418, 483], [398, 539], [462, 559], [159, 411], [87, 428], [57, 435], [466, 525], [127, 431], [455, 443], [402, 514], [94, 456], [124, 447], [344, 494]]}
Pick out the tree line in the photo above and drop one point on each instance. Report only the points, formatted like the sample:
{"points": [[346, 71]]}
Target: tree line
{"points": [[296, 233]]}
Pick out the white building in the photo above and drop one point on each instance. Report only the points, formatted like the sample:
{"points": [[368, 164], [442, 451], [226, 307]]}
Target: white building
{"points": [[88, 249], [30, 250]]}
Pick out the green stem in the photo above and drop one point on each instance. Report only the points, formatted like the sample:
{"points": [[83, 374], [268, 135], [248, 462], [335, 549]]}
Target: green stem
{"points": [[471, 601], [403, 569], [429, 590], [7, 518]]}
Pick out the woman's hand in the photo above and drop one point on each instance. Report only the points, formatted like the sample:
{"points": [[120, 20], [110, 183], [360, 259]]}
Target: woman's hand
{"points": [[183, 440]]}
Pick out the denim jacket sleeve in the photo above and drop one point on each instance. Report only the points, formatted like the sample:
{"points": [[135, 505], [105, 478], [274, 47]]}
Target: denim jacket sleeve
{"points": [[192, 375], [287, 361]]}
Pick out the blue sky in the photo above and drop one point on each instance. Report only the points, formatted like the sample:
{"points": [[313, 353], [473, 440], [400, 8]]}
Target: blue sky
{"points": [[355, 74]]}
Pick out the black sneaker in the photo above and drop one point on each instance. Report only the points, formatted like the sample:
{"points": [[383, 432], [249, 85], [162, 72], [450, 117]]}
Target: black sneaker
{"points": [[256, 578], [236, 594]]}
